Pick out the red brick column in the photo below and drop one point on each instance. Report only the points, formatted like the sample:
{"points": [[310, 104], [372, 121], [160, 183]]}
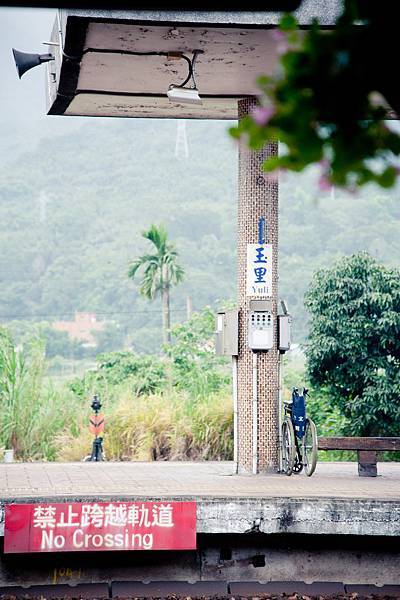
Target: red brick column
{"points": [[258, 197]]}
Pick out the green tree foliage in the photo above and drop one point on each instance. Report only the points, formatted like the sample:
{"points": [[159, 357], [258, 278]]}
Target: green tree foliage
{"points": [[143, 375], [328, 101], [161, 271], [194, 364], [109, 339], [58, 343], [354, 344], [190, 365]]}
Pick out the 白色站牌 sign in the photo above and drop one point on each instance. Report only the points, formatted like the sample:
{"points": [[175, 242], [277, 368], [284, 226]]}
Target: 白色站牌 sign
{"points": [[91, 526], [259, 270]]}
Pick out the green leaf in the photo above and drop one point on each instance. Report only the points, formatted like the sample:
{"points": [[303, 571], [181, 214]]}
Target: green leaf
{"points": [[288, 22]]}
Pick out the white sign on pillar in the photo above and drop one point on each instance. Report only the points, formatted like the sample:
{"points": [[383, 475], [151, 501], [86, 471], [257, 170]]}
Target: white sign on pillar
{"points": [[259, 270]]}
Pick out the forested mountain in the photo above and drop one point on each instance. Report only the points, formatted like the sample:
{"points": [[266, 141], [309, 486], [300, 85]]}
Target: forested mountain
{"points": [[316, 228], [73, 207]]}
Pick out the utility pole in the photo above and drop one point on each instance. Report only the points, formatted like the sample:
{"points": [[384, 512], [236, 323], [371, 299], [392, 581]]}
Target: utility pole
{"points": [[189, 307], [181, 145]]}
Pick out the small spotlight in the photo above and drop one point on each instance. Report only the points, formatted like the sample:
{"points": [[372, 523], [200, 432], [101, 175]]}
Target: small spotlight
{"points": [[184, 95]]}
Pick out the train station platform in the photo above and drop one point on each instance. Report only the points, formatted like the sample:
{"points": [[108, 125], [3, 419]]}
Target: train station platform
{"points": [[335, 500], [252, 531]]}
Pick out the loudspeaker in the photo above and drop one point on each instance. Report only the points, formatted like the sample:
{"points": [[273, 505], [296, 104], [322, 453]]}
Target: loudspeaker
{"points": [[25, 61]]}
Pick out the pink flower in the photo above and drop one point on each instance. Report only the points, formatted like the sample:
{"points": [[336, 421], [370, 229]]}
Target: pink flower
{"points": [[323, 163], [262, 114], [324, 183], [278, 35], [282, 48], [376, 99], [274, 175], [352, 190]]}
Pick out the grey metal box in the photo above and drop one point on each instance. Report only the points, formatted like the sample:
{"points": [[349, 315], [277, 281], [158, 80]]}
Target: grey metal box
{"points": [[261, 305], [284, 327], [226, 333]]}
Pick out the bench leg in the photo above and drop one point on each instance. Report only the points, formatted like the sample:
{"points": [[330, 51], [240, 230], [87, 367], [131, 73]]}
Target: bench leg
{"points": [[367, 463]]}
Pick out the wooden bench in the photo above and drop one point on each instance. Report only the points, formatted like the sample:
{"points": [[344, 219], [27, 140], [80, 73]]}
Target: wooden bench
{"points": [[366, 448]]}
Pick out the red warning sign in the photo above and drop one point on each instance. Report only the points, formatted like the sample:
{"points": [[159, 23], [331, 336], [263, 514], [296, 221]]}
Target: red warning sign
{"points": [[96, 424], [93, 526]]}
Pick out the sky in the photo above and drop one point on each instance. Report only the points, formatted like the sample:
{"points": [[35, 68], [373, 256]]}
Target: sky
{"points": [[23, 119], [24, 29]]}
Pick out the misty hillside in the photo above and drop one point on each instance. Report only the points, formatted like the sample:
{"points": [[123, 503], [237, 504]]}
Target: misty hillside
{"points": [[72, 210]]}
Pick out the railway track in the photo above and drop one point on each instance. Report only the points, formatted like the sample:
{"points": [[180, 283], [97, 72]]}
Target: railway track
{"points": [[123, 590]]}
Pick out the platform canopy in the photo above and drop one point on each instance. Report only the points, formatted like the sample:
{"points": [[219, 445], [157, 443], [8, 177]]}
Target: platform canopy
{"points": [[122, 63]]}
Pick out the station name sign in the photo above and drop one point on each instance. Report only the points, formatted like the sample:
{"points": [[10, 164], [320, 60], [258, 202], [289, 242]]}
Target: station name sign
{"points": [[259, 270], [94, 526]]}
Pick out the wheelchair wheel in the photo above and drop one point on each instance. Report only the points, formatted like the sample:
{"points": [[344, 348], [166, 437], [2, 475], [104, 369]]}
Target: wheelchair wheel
{"points": [[288, 447], [298, 466], [310, 447]]}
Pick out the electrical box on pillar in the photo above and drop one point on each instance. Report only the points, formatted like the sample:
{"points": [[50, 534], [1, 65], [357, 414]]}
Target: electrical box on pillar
{"points": [[261, 325], [227, 344], [226, 333], [284, 329]]}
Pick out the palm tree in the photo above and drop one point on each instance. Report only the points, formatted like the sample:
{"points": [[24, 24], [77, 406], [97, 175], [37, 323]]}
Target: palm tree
{"points": [[160, 272]]}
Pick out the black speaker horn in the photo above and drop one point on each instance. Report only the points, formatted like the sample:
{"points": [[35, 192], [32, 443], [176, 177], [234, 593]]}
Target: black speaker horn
{"points": [[25, 61]]}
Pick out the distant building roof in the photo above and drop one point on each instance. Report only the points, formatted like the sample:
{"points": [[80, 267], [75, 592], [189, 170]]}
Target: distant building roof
{"points": [[81, 328]]}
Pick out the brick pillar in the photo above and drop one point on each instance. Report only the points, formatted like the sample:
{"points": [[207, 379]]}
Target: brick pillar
{"points": [[258, 197]]}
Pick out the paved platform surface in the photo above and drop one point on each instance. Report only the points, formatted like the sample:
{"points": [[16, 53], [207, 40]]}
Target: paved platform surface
{"points": [[335, 500], [194, 480]]}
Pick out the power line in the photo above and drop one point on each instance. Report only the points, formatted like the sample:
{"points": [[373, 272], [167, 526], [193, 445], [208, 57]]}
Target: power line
{"points": [[97, 312], [48, 276]]}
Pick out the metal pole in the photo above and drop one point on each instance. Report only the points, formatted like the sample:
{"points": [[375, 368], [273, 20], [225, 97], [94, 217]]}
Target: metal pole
{"points": [[235, 412], [255, 416], [189, 307], [280, 414]]}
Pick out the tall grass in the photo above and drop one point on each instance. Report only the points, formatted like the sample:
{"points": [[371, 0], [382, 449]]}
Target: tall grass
{"points": [[175, 407], [167, 426], [31, 411]]}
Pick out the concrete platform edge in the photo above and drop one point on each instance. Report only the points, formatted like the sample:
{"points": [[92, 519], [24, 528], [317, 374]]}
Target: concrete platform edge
{"points": [[333, 516]]}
